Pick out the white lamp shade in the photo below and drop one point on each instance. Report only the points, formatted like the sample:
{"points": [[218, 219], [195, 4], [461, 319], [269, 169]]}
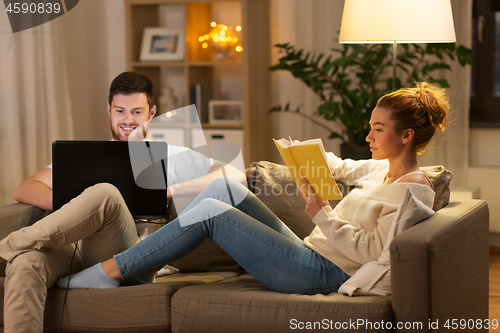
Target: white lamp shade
{"points": [[401, 21]]}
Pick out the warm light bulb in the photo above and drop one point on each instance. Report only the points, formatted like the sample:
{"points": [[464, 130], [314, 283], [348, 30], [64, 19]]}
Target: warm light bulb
{"points": [[222, 33], [201, 39], [204, 45], [239, 49], [213, 24], [235, 40], [238, 28], [229, 39], [216, 39], [169, 114], [224, 27], [205, 37]]}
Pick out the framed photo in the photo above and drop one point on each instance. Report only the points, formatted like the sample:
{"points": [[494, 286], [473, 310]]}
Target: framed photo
{"points": [[225, 112], [160, 44]]}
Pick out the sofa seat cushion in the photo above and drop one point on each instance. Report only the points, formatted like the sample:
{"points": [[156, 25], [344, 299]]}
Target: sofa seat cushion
{"points": [[245, 305], [143, 308]]}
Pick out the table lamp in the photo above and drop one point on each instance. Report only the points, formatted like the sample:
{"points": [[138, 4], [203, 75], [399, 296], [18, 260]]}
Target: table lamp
{"points": [[397, 21]]}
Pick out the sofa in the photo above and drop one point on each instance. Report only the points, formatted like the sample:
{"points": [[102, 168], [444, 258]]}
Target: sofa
{"points": [[439, 272]]}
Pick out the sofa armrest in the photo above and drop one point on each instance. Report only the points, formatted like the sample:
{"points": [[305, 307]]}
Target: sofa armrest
{"points": [[18, 215], [439, 268]]}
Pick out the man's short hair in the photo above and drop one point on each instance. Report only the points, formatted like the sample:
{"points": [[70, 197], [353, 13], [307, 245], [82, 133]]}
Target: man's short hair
{"points": [[128, 83]]}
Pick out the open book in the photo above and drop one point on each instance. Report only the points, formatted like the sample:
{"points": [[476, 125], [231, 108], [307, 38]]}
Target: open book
{"points": [[308, 159]]}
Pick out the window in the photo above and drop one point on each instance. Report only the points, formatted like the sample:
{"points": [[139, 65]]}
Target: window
{"points": [[485, 92]]}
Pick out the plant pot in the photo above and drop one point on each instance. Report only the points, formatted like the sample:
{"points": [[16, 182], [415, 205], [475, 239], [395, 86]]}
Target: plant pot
{"points": [[357, 152]]}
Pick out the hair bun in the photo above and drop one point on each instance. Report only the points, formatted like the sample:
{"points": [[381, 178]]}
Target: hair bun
{"points": [[435, 103], [423, 108]]}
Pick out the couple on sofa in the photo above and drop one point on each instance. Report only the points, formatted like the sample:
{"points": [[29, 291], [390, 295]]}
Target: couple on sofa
{"points": [[344, 239]]}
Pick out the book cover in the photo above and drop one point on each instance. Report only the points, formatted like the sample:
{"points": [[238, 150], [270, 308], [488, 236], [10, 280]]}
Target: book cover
{"points": [[308, 159]]}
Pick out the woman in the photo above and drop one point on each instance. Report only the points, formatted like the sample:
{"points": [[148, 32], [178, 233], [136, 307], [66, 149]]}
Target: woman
{"points": [[345, 238]]}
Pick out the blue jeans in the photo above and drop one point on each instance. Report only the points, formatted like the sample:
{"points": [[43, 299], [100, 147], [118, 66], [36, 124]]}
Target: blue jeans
{"points": [[249, 232]]}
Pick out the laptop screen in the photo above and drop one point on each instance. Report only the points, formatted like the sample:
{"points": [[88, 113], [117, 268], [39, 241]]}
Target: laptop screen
{"points": [[77, 165]]}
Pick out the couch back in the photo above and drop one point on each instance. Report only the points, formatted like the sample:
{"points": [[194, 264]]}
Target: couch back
{"points": [[441, 265]]}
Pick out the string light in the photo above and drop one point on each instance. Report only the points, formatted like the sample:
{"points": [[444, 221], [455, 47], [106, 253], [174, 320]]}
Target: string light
{"points": [[222, 37]]}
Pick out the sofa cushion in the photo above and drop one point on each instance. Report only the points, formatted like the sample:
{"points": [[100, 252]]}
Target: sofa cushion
{"points": [[273, 184], [244, 305], [143, 308], [440, 179]]}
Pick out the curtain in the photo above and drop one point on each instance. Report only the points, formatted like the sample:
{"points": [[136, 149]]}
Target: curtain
{"points": [[453, 150], [313, 25], [34, 101]]}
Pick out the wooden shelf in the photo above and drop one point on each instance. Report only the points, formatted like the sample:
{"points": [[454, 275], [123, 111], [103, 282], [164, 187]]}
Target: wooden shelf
{"points": [[224, 126], [184, 63], [203, 125], [245, 78], [214, 63], [158, 64]]}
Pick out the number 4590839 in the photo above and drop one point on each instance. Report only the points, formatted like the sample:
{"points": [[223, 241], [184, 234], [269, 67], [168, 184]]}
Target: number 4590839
{"points": [[33, 8]]}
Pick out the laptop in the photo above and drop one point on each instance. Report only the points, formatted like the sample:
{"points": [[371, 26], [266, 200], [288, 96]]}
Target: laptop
{"points": [[137, 168]]}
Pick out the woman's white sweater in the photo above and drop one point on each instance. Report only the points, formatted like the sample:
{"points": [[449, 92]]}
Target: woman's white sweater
{"points": [[355, 231]]}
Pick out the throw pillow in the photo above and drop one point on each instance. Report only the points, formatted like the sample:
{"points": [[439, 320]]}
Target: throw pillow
{"points": [[273, 184], [440, 179], [373, 278]]}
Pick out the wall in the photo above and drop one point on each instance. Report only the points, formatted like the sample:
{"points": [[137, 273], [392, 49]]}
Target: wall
{"points": [[94, 39], [484, 171], [313, 25]]}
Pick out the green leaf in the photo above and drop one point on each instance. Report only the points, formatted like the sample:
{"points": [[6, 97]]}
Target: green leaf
{"points": [[335, 135], [465, 55]]}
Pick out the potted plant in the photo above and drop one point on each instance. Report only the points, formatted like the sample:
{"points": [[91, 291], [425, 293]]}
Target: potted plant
{"points": [[350, 84]]}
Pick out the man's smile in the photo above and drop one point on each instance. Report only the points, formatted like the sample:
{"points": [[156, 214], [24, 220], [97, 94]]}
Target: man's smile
{"points": [[127, 129]]}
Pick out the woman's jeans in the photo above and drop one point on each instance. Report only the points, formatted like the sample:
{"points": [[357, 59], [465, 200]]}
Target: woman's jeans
{"points": [[248, 231]]}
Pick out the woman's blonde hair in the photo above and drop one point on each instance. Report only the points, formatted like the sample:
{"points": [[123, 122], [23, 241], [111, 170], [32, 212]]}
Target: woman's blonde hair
{"points": [[423, 108]]}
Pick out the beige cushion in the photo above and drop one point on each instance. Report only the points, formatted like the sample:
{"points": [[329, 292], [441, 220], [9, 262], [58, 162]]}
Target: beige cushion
{"points": [[273, 184], [245, 305], [144, 308], [440, 179]]}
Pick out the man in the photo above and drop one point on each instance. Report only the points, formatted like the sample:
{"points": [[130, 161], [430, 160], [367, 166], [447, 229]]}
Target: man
{"points": [[130, 96], [38, 255]]}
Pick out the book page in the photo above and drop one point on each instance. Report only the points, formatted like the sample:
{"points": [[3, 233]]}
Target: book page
{"points": [[308, 159]]}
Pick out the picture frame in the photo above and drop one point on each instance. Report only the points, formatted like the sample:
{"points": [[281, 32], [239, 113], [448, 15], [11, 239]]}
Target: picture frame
{"points": [[162, 44], [225, 112]]}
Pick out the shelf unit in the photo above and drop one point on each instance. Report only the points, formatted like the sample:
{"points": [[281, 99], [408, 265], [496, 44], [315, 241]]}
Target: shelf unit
{"points": [[245, 78]]}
